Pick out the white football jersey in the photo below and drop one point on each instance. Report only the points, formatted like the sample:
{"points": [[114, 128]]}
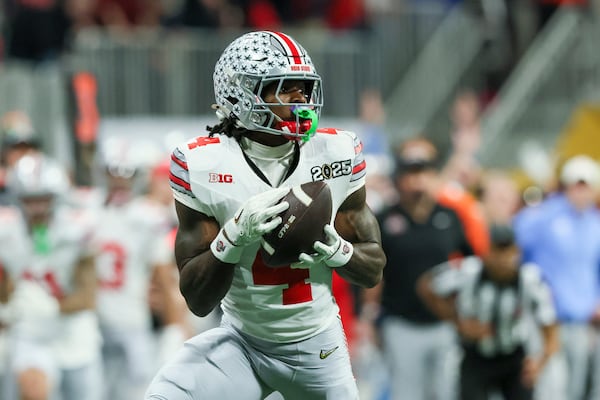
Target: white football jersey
{"points": [[13, 236], [211, 175], [68, 236], [21, 312], [125, 239]]}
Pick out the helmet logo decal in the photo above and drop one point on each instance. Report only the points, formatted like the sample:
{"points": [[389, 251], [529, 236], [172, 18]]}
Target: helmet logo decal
{"points": [[289, 43]]}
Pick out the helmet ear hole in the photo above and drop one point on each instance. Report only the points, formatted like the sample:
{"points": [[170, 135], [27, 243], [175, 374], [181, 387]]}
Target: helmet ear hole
{"points": [[258, 119]]}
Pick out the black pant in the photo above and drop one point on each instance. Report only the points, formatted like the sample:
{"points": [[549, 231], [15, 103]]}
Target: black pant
{"points": [[479, 376]]}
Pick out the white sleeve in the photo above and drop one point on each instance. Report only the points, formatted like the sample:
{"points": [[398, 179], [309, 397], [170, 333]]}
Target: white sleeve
{"points": [[179, 178], [359, 166]]}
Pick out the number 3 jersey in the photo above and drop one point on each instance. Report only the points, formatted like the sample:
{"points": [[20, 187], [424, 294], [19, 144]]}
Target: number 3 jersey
{"points": [[213, 176], [126, 238]]}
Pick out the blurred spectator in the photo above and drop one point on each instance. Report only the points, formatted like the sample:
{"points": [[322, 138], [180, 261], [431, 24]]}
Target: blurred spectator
{"points": [[371, 131], [265, 14], [499, 197], [462, 170], [210, 14], [562, 236], [465, 115], [346, 14], [36, 29], [490, 301], [334, 14], [372, 124], [262, 14], [462, 166], [81, 14], [120, 15], [418, 233], [461, 173]]}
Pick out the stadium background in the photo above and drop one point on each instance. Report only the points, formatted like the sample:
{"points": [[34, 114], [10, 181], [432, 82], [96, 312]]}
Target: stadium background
{"points": [[391, 70]]}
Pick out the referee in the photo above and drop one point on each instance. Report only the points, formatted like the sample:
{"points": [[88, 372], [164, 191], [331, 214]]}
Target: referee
{"points": [[491, 301]]}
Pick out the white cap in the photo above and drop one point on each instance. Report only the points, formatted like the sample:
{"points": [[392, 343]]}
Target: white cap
{"points": [[581, 169]]}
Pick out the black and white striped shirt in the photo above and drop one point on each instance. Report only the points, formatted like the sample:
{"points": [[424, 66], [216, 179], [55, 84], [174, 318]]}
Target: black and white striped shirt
{"points": [[507, 307]]}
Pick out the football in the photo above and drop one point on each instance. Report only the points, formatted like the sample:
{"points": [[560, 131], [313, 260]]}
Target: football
{"points": [[302, 224]]}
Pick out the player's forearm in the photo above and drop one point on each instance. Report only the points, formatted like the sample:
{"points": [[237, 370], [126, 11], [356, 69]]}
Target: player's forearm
{"points": [[204, 281], [551, 342], [77, 301], [84, 295], [365, 268], [443, 307]]}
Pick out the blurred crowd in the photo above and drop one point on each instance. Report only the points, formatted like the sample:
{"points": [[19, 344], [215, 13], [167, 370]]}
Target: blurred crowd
{"points": [[40, 30], [491, 286]]}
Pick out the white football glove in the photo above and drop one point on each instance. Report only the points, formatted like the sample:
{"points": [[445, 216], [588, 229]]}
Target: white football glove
{"points": [[257, 216], [335, 253]]}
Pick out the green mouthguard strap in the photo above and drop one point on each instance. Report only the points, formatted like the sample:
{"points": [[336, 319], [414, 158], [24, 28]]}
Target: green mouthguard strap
{"points": [[307, 113]]}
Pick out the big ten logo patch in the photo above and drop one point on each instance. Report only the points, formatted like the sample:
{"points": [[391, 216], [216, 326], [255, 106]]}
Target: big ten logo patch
{"points": [[330, 171], [220, 178]]}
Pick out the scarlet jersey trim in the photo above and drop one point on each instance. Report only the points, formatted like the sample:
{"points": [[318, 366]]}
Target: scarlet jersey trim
{"points": [[358, 168], [328, 131], [179, 176]]}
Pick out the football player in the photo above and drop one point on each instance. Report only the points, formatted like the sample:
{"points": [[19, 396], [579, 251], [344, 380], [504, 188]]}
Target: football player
{"points": [[56, 258], [129, 225], [27, 318], [280, 329]]}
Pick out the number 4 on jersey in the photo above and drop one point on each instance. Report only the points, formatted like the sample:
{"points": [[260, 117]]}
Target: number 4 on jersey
{"points": [[298, 290]]}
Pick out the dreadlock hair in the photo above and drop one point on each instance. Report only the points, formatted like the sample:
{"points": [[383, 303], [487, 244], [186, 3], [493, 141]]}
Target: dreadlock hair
{"points": [[227, 127]]}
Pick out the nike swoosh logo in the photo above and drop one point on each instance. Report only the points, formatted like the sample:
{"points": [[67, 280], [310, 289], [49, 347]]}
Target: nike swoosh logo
{"points": [[326, 353]]}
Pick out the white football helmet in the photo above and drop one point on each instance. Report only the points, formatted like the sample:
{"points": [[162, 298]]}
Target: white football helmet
{"points": [[254, 61], [38, 175], [117, 156]]}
